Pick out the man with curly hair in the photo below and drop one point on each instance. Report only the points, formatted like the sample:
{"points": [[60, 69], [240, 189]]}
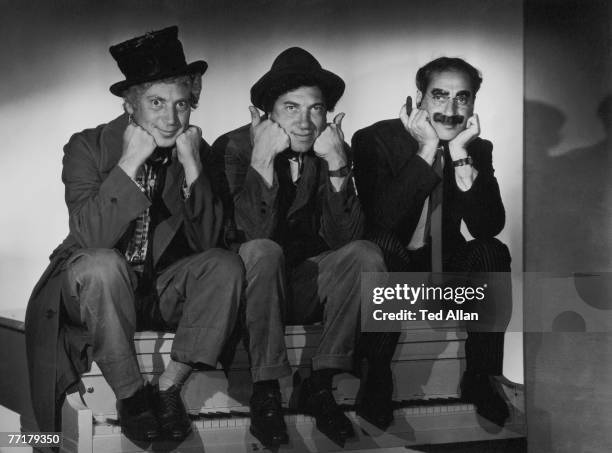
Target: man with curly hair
{"points": [[144, 222]]}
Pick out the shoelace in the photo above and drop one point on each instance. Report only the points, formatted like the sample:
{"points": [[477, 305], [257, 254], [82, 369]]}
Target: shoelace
{"points": [[171, 399]]}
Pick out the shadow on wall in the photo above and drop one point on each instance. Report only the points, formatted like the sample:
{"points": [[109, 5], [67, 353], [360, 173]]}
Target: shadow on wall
{"points": [[569, 197], [568, 220]]}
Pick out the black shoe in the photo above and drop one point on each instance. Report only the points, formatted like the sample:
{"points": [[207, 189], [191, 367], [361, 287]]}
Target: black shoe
{"points": [[172, 414], [376, 405], [482, 392], [267, 422], [137, 417], [330, 418]]}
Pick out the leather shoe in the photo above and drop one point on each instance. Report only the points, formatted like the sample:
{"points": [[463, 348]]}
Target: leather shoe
{"points": [[173, 418], [329, 417], [137, 417], [482, 391], [376, 405], [267, 422]]}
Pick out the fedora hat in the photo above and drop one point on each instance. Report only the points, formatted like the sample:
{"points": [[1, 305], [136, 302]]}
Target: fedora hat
{"points": [[154, 56], [295, 61]]}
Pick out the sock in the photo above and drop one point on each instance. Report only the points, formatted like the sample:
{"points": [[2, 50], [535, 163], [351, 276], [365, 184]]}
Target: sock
{"points": [[322, 379], [176, 373], [270, 385]]}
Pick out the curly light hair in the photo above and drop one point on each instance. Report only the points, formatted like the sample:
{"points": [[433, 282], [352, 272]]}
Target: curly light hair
{"points": [[133, 93]]}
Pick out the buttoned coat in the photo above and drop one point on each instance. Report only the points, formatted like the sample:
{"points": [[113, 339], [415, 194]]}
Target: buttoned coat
{"points": [[102, 203]]}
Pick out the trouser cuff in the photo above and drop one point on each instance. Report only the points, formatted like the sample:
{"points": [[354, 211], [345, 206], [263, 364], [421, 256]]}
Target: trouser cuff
{"points": [[123, 376], [265, 373], [198, 345]]}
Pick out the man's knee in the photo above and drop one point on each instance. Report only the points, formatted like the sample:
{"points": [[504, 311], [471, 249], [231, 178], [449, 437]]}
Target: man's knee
{"points": [[488, 255], [365, 255], [222, 262], [261, 252]]}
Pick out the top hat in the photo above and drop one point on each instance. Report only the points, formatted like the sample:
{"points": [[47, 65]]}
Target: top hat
{"points": [[154, 56], [297, 61]]}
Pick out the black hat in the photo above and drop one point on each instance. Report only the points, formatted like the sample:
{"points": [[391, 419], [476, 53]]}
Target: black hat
{"points": [[297, 61], [154, 56]]}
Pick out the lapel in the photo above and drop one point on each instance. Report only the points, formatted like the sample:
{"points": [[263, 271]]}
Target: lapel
{"points": [[399, 147], [167, 229], [174, 179], [112, 146], [307, 182], [111, 142]]}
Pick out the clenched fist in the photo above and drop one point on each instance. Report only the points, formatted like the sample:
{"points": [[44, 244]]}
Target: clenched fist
{"points": [[138, 145], [330, 144], [269, 139], [188, 152], [458, 145]]}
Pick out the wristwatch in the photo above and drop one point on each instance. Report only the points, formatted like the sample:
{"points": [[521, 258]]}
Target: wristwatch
{"points": [[459, 162], [341, 172]]}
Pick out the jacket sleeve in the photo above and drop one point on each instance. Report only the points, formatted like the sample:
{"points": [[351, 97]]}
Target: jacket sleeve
{"points": [[481, 206], [100, 210], [203, 209], [255, 204], [391, 203], [342, 219]]}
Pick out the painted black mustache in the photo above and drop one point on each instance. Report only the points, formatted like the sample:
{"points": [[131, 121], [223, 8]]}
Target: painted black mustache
{"points": [[453, 119]]}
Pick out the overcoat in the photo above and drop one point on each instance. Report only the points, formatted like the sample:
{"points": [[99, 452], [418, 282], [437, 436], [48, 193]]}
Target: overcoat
{"points": [[103, 202]]}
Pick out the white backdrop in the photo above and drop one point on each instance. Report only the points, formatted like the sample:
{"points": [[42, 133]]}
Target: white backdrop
{"points": [[57, 70]]}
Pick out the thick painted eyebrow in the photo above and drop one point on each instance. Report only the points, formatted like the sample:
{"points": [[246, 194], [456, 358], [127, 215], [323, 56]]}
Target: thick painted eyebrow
{"points": [[439, 91]]}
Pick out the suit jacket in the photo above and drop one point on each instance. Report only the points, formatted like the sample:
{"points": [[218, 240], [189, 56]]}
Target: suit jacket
{"points": [[393, 184], [102, 204], [335, 217]]}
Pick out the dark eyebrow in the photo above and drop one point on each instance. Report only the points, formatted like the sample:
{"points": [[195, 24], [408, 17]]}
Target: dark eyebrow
{"points": [[290, 103], [439, 91], [466, 93]]}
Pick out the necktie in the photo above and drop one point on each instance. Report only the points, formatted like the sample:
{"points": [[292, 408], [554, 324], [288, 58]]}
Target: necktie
{"points": [[435, 201]]}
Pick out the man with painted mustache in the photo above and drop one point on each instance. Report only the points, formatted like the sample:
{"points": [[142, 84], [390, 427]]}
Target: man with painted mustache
{"points": [[418, 178]]}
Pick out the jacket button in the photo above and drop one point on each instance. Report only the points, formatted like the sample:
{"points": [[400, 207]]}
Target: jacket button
{"points": [[50, 313], [113, 200]]}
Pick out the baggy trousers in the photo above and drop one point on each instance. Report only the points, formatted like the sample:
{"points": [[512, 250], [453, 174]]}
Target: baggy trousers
{"points": [[199, 297], [323, 288]]}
